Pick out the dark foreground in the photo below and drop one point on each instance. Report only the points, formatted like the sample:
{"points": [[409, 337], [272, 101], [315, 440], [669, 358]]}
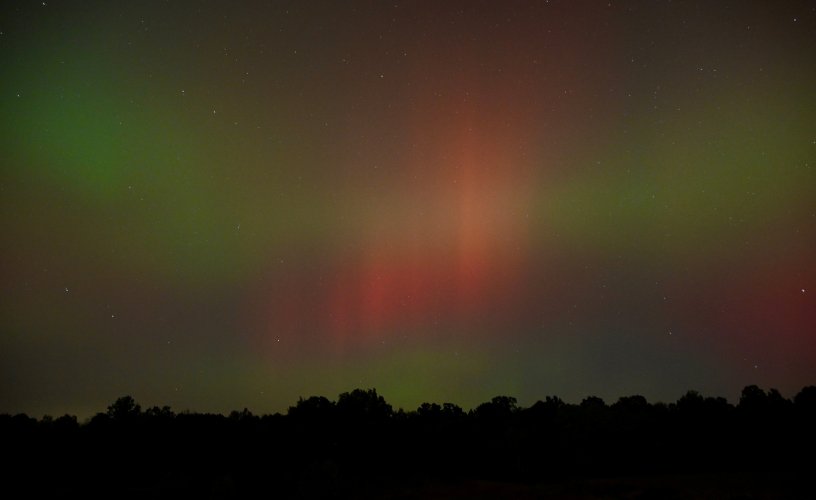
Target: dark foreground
{"points": [[359, 447], [658, 487]]}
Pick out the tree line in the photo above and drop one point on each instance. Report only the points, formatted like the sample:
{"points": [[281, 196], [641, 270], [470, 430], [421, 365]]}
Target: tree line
{"points": [[359, 444]]}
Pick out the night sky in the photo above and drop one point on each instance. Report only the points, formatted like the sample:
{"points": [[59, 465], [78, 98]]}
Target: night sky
{"points": [[219, 205]]}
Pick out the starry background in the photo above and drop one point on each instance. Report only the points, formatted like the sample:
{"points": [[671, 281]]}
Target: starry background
{"points": [[218, 205]]}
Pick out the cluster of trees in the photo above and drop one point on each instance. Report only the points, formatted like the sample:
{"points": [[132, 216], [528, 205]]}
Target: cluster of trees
{"points": [[360, 442]]}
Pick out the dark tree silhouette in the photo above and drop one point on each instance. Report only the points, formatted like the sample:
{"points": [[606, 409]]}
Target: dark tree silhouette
{"points": [[547, 409], [312, 409], [593, 403], [365, 405], [632, 404], [691, 402], [123, 409], [159, 413], [360, 447], [805, 400], [243, 416], [499, 408], [429, 410]]}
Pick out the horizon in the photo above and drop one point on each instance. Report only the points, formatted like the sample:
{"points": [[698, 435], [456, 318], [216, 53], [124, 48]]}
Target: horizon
{"points": [[84, 418], [224, 205]]}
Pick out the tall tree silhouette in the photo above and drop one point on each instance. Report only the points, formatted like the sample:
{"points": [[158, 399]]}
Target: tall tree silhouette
{"points": [[124, 409], [365, 405]]}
